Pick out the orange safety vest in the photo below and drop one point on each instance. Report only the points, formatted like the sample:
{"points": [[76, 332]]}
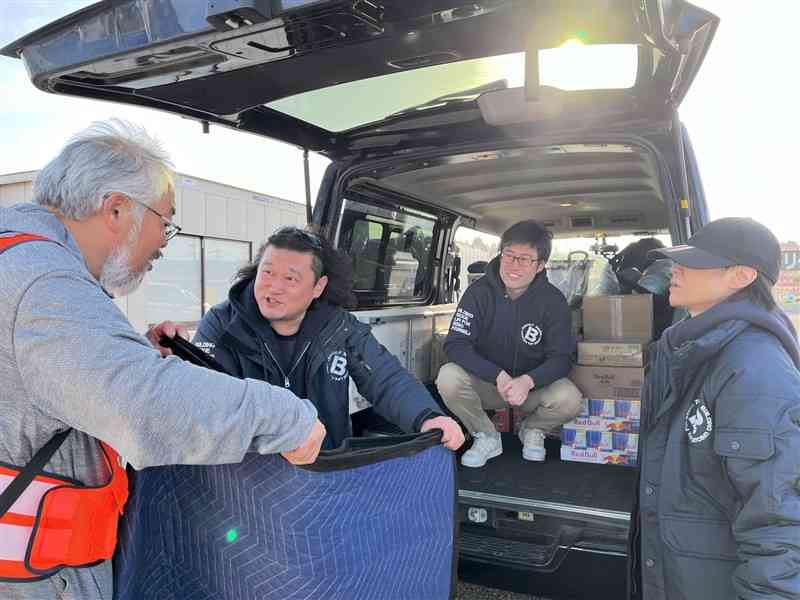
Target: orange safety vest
{"points": [[56, 522]]}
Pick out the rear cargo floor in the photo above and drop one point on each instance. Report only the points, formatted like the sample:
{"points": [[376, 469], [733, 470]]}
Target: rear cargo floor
{"points": [[608, 487]]}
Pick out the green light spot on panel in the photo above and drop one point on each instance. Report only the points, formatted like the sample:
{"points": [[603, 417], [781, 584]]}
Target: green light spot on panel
{"points": [[231, 536]]}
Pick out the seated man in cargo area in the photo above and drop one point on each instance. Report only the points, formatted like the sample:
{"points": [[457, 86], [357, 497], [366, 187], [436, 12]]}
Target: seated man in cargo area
{"points": [[284, 323], [510, 344]]}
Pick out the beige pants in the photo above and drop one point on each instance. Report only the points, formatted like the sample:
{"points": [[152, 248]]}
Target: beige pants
{"points": [[467, 397]]}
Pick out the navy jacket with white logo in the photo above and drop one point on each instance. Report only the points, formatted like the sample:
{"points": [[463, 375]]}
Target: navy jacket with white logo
{"points": [[331, 347], [719, 492], [532, 334]]}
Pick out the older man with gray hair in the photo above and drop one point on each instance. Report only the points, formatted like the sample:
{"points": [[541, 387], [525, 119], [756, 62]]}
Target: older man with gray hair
{"points": [[82, 392]]}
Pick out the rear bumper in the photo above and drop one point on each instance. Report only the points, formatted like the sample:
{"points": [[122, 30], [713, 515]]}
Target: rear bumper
{"points": [[554, 550], [568, 512], [581, 573]]}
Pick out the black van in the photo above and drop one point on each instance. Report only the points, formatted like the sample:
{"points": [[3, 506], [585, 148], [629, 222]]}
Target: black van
{"points": [[440, 115]]}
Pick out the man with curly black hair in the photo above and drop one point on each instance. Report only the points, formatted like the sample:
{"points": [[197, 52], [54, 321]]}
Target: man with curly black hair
{"points": [[285, 322]]}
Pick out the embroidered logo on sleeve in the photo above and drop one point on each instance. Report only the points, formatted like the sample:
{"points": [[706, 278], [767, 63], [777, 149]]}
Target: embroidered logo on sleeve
{"points": [[207, 347], [462, 322], [337, 365], [531, 334], [699, 424]]}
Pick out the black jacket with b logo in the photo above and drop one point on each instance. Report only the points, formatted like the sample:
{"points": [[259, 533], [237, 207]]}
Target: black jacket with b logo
{"points": [[532, 334], [331, 347]]}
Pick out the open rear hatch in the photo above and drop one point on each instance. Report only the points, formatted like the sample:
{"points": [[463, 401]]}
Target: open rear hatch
{"points": [[326, 74], [382, 77]]}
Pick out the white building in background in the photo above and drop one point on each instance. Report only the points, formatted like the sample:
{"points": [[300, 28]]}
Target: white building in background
{"points": [[222, 226]]}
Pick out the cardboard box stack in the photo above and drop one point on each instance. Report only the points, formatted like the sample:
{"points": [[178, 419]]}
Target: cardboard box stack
{"points": [[507, 419], [610, 373], [502, 420], [618, 318]]}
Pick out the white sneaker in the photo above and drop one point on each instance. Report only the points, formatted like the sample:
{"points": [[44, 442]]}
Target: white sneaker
{"points": [[532, 444], [485, 446]]}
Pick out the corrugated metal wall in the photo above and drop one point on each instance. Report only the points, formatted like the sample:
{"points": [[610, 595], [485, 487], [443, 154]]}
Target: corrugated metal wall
{"points": [[203, 207], [14, 193]]}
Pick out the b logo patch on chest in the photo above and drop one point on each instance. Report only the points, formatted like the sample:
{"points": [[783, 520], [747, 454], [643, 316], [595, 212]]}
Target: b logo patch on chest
{"points": [[699, 424], [531, 334], [337, 365]]}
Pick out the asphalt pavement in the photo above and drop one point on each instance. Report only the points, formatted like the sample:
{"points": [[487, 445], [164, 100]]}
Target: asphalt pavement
{"points": [[469, 591]]}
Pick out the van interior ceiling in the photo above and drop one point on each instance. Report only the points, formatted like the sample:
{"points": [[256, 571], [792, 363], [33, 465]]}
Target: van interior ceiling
{"points": [[576, 190]]}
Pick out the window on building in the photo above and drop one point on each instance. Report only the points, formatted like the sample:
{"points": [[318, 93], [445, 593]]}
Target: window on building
{"points": [[221, 260], [474, 247], [172, 290], [194, 274], [390, 250]]}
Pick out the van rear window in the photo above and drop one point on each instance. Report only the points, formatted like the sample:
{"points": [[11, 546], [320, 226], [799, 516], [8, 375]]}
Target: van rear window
{"points": [[390, 251], [573, 66]]}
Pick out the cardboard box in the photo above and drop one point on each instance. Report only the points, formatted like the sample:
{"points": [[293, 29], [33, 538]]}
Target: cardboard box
{"points": [[606, 441], [585, 438], [627, 443], [608, 415], [612, 354], [627, 409], [502, 420], [618, 318], [590, 455], [611, 409], [600, 408], [508, 419], [604, 424], [608, 382]]}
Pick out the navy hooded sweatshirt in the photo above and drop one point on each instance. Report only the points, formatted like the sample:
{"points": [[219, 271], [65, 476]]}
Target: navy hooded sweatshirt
{"points": [[491, 332], [330, 348]]}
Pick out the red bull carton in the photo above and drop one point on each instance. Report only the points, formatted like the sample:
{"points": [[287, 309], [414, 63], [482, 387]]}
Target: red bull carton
{"points": [[599, 457], [603, 424]]}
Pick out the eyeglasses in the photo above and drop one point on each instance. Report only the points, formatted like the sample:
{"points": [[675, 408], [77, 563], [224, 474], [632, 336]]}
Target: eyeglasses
{"points": [[170, 228], [521, 259]]}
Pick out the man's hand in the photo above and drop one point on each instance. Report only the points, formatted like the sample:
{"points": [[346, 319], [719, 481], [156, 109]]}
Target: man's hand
{"points": [[169, 329], [503, 379], [516, 390], [307, 453], [452, 436]]}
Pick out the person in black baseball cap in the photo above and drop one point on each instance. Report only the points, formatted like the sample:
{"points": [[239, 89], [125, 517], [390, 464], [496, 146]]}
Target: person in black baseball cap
{"points": [[718, 513], [728, 256]]}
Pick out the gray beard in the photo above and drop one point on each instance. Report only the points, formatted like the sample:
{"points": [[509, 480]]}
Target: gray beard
{"points": [[116, 276]]}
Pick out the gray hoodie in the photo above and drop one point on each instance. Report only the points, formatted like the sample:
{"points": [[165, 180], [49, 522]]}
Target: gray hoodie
{"points": [[70, 358]]}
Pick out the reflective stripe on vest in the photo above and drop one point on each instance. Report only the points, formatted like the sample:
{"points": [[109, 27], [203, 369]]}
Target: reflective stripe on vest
{"points": [[16, 525], [57, 522], [12, 240]]}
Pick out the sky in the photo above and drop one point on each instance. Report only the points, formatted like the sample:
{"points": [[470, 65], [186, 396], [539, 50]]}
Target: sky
{"points": [[34, 125], [738, 114]]}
